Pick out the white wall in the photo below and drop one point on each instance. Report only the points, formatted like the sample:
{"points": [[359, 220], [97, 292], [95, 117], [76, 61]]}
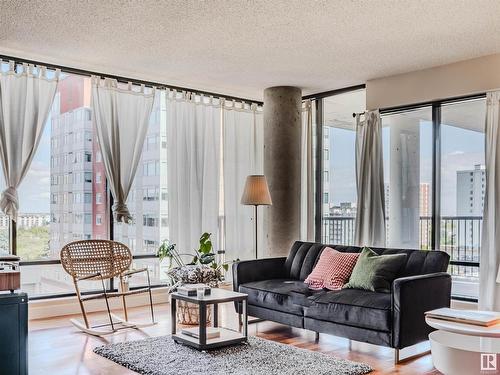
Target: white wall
{"points": [[446, 81]]}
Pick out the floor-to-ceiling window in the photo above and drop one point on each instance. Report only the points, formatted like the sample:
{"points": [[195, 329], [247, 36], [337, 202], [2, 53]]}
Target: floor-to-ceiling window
{"points": [[441, 148], [407, 150], [63, 197], [148, 199], [339, 166], [433, 173], [462, 190]]}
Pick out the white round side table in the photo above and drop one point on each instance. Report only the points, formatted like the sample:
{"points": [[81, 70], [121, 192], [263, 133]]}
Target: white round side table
{"points": [[464, 349]]}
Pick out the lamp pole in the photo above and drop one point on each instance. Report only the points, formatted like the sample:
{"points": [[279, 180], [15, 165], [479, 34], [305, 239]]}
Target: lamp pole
{"points": [[256, 236]]}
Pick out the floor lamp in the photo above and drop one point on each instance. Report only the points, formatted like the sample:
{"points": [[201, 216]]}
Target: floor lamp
{"points": [[256, 193]]}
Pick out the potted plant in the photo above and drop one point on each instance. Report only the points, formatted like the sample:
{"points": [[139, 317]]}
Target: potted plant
{"points": [[204, 268]]}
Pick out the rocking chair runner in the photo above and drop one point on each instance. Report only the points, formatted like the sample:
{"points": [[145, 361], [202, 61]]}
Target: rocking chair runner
{"points": [[101, 260]]}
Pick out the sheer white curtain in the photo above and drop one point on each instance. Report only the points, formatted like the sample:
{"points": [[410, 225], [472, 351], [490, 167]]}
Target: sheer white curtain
{"points": [[370, 217], [121, 119], [307, 175], [25, 101], [243, 156], [489, 290], [193, 157]]}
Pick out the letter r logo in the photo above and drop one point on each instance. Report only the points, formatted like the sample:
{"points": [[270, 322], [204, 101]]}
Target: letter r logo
{"points": [[488, 361]]}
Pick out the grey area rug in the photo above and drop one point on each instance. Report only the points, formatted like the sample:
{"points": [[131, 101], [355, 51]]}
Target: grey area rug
{"points": [[161, 356]]}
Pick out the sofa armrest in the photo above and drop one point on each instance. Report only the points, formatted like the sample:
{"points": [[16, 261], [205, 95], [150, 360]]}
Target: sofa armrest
{"points": [[411, 297], [255, 270]]}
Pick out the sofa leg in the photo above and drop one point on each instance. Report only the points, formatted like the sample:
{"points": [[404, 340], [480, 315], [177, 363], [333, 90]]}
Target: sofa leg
{"points": [[398, 360], [316, 338]]}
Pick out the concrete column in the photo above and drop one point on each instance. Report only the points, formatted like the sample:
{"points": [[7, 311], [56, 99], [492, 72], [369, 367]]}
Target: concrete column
{"points": [[282, 134], [404, 187]]}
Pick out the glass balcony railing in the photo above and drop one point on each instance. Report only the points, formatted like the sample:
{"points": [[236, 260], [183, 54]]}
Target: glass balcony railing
{"points": [[460, 236]]}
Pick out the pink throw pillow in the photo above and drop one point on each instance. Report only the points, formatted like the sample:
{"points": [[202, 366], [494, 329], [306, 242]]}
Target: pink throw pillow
{"points": [[339, 273], [332, 270], [316, 278]]}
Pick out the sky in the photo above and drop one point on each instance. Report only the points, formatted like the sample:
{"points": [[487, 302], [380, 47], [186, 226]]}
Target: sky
{"points": [[461, 149], [34, 191]]}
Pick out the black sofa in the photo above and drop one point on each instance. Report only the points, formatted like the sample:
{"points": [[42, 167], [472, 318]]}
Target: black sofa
{"points": [[276, 291]]}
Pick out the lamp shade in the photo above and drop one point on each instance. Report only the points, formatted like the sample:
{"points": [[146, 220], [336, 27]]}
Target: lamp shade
{"points": [[256, 191]]}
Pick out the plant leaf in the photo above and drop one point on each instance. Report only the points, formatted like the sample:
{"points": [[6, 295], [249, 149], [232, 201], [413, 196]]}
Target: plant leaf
{"points": [[207, 258]]}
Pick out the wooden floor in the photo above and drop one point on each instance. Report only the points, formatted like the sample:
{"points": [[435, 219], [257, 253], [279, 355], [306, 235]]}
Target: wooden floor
{"points": [[56, 347]]}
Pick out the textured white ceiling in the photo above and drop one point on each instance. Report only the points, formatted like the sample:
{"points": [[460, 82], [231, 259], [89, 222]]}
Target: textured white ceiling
{"points": [[241, 47]]}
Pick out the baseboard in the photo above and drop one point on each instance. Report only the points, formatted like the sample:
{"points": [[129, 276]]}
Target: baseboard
{"points": [[49, 308], [463, 305]]}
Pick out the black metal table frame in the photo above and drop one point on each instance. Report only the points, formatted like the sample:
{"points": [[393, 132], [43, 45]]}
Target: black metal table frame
{"points": [[202, 305]]}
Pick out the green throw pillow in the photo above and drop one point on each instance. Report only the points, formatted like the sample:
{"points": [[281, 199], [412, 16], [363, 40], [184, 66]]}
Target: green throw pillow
{"points": [[375, 272]]}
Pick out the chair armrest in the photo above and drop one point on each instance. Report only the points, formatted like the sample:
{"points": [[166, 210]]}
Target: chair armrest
{"points": [[255, 270], [131, 272], [411, 297]]}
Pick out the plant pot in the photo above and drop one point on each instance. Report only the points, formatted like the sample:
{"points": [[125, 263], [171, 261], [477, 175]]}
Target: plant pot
{"points": [[189, 313]]}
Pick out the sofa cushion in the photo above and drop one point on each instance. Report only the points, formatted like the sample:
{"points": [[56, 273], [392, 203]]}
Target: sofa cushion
{"points": [[277, 294], [302, 259], [419, 262], [355, 307], [375, 272]]}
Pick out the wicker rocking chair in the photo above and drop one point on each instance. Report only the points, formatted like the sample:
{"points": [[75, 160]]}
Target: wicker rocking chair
{"points": [[101, 260]]}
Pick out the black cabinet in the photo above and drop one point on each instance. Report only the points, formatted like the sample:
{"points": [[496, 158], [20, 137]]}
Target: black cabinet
{"points": [[13, 333]]}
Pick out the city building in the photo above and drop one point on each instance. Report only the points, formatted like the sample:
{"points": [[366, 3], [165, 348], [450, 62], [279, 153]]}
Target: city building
{"points": [[26, 221], [327, 196], [470, 191], [345, 209], [79, 202], [71, 164], [425, 221], [425, 200], [148, 199], [470, 203]]}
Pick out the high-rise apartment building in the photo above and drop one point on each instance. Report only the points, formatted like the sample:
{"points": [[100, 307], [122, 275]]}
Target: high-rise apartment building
{"points": [[470, 191], [79, 203], [148, 199], [327, 196], [470, 203], [425, 200], [71, 168]]}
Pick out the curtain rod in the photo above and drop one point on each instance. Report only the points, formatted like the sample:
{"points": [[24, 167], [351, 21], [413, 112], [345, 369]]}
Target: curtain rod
{"points": [[67, 69], [354, 114], [325, 94]]}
